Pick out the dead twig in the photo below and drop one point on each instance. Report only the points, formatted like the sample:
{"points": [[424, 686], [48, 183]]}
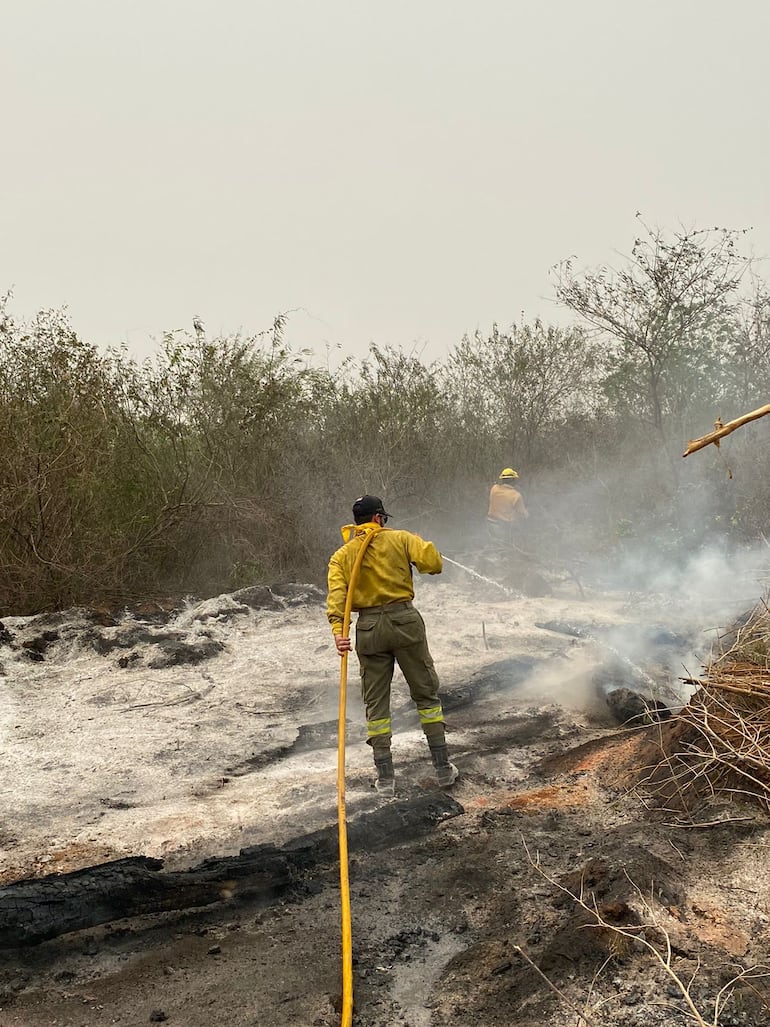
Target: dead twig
{"points": [[551, 985], [260, 713], [709, 823], [179, 700]]}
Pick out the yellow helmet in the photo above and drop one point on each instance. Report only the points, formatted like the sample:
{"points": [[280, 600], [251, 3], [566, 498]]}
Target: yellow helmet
{"points": [[508, 472]]}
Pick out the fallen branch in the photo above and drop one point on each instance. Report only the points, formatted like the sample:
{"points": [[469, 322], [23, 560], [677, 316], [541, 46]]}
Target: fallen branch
{"points": [[724, 429]]}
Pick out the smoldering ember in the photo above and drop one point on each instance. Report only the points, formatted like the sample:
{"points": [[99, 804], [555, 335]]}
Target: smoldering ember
{"points": [[170, 837]]}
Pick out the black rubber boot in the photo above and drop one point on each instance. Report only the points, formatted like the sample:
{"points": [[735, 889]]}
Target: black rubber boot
{"points": [[386, 778], [446, 772]]}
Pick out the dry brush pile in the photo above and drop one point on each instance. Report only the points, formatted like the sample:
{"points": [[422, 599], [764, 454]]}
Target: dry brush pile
{"points": [[718, 746]]}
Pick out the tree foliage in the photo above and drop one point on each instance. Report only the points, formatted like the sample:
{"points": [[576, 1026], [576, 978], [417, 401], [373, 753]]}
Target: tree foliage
{"points": [[667, 310], [512, 388]]}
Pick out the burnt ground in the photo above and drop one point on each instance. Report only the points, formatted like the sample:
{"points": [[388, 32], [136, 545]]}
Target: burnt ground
{"points": [[490, 915], [446, 927]]}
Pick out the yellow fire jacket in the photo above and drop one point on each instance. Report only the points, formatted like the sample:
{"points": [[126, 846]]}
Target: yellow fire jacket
{"points": [[505, 504], [385, 575]]}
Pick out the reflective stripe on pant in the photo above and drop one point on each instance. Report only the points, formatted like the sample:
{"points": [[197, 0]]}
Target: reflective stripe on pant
{"points": [[377, 728], [433, 715], [386, 637]]}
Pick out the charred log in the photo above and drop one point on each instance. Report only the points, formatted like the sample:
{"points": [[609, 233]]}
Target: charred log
{"points": [[33, 911], [629, 707]]}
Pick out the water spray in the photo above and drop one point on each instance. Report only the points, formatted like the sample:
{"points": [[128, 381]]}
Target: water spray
{"points": [[489, 581]]}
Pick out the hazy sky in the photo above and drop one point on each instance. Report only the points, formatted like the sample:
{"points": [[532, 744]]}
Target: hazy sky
{"points": [[400, 173]]}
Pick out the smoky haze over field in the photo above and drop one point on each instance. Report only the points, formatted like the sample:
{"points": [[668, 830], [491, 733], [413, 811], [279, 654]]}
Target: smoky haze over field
{"points": [[608, 531], [682, 597]]}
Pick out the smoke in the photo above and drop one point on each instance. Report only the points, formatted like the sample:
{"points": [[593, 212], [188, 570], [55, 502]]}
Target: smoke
{"points": [[569, 683], [679, 591], [712, 581]]}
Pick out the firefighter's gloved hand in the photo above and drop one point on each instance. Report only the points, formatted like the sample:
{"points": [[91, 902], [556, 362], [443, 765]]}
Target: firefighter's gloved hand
{"points": [[343, 644]]}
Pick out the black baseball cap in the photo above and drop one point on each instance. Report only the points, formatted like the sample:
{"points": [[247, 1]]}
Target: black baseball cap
{"points": [[368, 506]]}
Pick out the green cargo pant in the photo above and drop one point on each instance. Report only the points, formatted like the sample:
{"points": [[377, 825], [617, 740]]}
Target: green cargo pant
{"points": [[386, 635]]}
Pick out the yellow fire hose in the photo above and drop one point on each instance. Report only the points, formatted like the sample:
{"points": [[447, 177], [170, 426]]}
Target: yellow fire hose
{"points": [[347, 941]]}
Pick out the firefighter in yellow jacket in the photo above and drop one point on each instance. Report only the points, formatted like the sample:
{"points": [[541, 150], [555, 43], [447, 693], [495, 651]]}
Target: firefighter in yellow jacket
{"points": [[506, 506], [389, 629]]}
